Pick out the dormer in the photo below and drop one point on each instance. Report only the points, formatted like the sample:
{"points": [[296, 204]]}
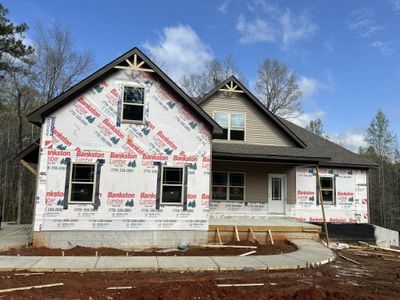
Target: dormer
{"points": [[244, 119]]}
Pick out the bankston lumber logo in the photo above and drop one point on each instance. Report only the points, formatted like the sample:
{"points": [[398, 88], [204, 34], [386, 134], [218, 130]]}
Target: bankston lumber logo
{"points": [[58, 135], [88, 153], [88, 107], [166, 140]]}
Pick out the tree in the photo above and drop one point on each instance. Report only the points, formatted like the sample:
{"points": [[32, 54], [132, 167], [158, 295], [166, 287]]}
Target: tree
{"points": [[277, 88], [381, 149], [58, 66], [316, 127], [12, 46], [215, 71]]}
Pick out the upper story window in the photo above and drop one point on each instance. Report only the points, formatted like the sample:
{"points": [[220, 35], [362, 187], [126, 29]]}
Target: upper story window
{"points": [[233, 125], [133, 104]]}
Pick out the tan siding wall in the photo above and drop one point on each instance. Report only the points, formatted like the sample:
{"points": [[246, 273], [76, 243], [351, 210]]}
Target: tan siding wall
{"points": [[257, 178], [259, 129]]}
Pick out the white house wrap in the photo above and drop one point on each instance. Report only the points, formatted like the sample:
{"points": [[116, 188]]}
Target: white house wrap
{"points": [[86, 130]]}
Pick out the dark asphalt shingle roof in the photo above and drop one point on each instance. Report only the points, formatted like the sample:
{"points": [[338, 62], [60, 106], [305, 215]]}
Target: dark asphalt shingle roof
{"points": [[318, 149]]}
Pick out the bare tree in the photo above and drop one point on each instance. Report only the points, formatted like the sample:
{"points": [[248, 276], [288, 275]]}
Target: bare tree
{"points": [[381, 148], [316, 127], [277, 88], [215, 71], [58, 66]]}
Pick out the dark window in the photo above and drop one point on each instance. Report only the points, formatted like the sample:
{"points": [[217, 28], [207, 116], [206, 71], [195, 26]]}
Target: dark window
{"points": [[133, 103], [82, 183], [228, 186], [237, 135], [172, 185], [327, 189]]}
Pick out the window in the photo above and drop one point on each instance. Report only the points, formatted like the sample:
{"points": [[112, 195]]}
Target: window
{"points": [[327, 189], [233, 125], [172, 185], [228, 186], [133, 104], [83, 178]]}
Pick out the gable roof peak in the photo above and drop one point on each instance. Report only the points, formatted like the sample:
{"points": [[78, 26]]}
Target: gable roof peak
{"points": [[232, 84]]}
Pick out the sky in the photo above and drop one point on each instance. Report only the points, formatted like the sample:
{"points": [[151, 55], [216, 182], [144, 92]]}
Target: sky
{"points": [[346, 54]]}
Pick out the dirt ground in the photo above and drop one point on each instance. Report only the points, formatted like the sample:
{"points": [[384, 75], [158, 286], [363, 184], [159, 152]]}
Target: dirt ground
{"points": [[278, 248], [373, 278]]}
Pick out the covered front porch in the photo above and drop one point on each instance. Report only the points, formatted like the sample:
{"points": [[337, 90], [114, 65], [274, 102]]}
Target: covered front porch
{"points": [[243, 189]]}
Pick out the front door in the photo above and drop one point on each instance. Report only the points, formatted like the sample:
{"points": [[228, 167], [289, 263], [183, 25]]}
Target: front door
{"points": [[276, 193]]}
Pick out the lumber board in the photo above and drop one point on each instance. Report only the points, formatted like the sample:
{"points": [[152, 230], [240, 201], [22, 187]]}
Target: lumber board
{"points": [[24, 288]]}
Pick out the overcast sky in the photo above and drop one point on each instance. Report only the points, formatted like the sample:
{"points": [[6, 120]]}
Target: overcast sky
{"points": [[345, 53]]}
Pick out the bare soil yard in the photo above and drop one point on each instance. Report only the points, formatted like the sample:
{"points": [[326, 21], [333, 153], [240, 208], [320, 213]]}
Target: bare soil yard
{"points": [[278, 248], [373, 278]]}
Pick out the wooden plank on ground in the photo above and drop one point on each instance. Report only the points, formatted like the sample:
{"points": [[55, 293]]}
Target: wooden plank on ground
{"points": [[228, 246], [24, 288]]}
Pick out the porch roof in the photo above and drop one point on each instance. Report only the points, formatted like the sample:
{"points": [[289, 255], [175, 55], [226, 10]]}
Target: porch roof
{"points": [[318, 151]]}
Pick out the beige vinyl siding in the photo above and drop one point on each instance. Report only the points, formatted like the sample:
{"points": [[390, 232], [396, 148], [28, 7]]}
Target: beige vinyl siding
{"points": [[256, 178], [260, 129]]}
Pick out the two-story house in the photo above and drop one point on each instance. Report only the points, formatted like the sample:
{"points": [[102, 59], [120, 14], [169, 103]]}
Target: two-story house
{"points": [[127, 159]]}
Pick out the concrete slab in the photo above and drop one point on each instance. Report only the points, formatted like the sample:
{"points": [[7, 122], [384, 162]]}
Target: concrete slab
{"points": [[186, 263], [12, 236], [126, 263], [228, 263], [65, 264], [11, 263]]}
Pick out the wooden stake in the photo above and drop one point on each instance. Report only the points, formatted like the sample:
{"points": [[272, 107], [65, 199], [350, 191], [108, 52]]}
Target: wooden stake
{"points": [[321, 200], [252, 234], [237, 233], [31, 287], [270, 237], [218, 235]]}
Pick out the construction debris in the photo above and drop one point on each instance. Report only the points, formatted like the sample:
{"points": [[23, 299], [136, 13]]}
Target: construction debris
{"points": [[348, 259], [119, 288], [248, 253], [24, 288], [240, 284], [227, 246], [339, 246]]}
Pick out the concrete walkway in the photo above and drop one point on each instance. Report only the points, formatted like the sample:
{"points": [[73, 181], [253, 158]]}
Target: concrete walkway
{"points": [[12, 236], [308, 253]]}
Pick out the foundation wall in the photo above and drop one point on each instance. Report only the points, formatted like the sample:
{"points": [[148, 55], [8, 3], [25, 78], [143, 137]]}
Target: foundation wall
{"points": [[126, 240]]}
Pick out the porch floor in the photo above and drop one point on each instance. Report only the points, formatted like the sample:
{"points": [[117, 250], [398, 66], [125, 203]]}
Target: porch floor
{"points": [[280, 228]]}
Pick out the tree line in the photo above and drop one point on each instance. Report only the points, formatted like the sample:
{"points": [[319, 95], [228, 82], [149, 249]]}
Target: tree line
{"points": [[31, 75]]}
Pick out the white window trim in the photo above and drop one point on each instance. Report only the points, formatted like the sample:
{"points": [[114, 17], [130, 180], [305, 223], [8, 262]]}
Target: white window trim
{"points": [[168, 184], [228, 186], [229, 124], [70, 183], [133, 104], [333, 189]]}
